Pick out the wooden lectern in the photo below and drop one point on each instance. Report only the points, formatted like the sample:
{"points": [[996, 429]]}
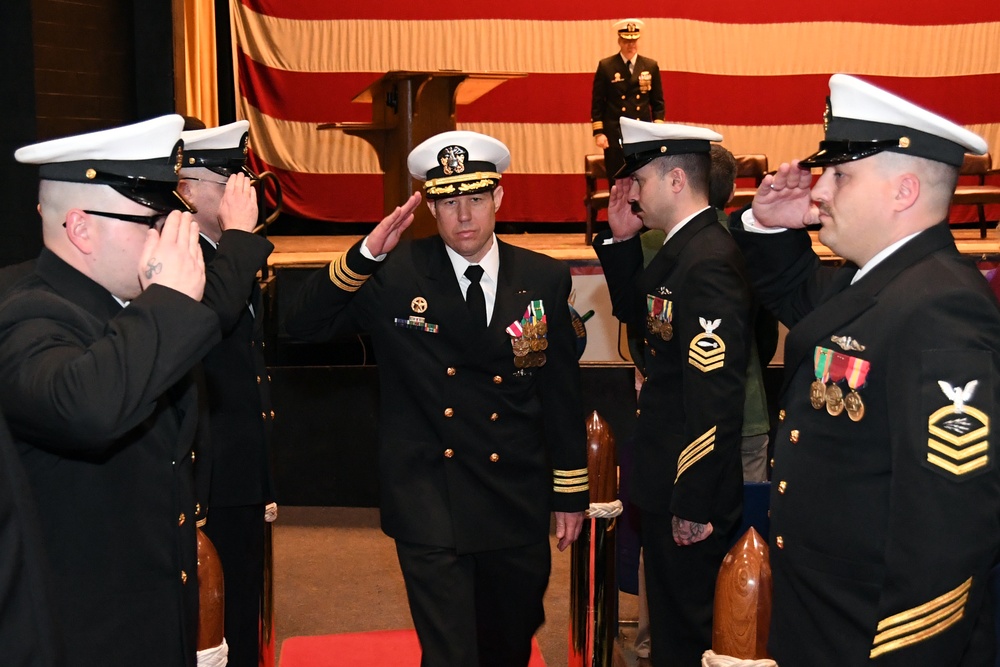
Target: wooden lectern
{"points": [[407, 108]]}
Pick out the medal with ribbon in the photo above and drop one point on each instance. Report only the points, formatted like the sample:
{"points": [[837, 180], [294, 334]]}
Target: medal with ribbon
{"points": [[834, 394], [857, 374], [659, 315], [821, 365], [528, 337]]}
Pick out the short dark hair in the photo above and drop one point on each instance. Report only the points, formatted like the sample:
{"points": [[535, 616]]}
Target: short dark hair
{"points": [[721, 176], [695, 165]]}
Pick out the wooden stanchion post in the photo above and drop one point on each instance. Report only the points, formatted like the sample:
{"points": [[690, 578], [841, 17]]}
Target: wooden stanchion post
{"points": [[593, 587], [743, 600], [211, 595]]}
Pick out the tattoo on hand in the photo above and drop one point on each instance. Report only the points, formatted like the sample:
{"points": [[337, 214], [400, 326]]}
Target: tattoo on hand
{"points": [[686, 530], [152, 266]]}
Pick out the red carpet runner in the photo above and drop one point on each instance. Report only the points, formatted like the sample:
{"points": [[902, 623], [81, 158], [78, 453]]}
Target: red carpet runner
{"points": [[384, 648]]}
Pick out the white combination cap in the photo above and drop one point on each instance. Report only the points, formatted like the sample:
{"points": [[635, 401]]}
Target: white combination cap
{"points": [[222, 149], [862, 120], [457, 163], [629, 28], [643, 142], [140, 161]]}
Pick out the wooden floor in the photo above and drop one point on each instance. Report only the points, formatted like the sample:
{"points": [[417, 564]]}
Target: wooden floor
{"points": [[319, 250]]}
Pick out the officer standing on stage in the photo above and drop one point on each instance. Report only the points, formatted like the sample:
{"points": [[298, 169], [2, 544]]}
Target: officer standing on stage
{"points": [[481, 428], [692, 302], [626, 85], [216, 180], [885, 506], [96, 348]]}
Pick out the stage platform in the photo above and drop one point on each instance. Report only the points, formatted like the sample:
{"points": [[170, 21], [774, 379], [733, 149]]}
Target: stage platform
{"points": [[304, 251]]}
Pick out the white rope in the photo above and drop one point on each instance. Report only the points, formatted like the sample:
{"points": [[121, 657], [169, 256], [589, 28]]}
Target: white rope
{"points": [[605, 510], [214, 657], [710, 659]]}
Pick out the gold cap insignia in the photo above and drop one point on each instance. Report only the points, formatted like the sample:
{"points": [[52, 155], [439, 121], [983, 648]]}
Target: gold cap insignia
{"points": [[452, 158]]}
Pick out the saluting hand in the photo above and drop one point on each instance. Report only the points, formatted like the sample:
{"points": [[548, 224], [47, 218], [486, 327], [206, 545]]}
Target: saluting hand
{"points": [[238, 208], [173, 258], [386, 234], [623, 222], [784, 200], [687, 532]]}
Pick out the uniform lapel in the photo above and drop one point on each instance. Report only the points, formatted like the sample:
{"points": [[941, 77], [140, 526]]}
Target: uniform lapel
{"points": [[664, 261], [512, 296]]}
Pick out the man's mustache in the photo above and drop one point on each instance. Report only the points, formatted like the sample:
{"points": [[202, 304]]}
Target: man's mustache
{"points": [[635, 207]]}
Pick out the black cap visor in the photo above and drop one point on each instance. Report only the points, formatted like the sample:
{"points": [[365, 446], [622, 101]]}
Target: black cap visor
{"points": [[838, 152], [159, 196]]}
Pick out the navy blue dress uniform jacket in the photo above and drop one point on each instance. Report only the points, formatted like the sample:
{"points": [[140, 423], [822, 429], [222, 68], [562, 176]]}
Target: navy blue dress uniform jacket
{"points": [[239, 397], [688, 433], [27, 631], [468, 446], [103, 411], [617, 93], [883, 530]]}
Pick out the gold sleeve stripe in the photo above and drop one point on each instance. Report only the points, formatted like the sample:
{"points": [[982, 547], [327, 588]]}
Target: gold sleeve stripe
{"points": [[569, 482], [571, 489], [598, 124], [696, 451], [201, 522], [343, 277], [919, 623], [569, 473]]}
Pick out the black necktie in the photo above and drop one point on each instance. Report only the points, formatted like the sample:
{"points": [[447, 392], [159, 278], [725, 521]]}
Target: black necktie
{"points": [[630, 68], [474, 298]]}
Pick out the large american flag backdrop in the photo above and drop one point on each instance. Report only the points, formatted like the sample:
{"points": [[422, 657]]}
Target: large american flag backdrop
{"points": [[756, 73]]}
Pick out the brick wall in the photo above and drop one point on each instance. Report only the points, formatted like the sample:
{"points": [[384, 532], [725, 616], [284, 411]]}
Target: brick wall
{"points": [[84, 65]]}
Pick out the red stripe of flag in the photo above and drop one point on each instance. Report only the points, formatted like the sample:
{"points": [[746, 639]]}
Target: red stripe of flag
{"points": [[894, 12], [318, 97]]}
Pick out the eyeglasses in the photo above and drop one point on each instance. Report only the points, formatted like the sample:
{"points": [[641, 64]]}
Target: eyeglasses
{"points": [[152, 221], [203, 180]]}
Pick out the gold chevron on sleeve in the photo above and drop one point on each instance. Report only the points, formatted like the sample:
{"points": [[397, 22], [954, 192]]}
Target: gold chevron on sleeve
{"points": [[570, 481], [707, 352], [921, 622], [343, 277], [598, 125], [958, 442], [697, 450]]}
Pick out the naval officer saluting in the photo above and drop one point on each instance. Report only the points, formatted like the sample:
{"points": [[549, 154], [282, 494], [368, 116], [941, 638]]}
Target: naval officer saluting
{"points": [[481, 429]]}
